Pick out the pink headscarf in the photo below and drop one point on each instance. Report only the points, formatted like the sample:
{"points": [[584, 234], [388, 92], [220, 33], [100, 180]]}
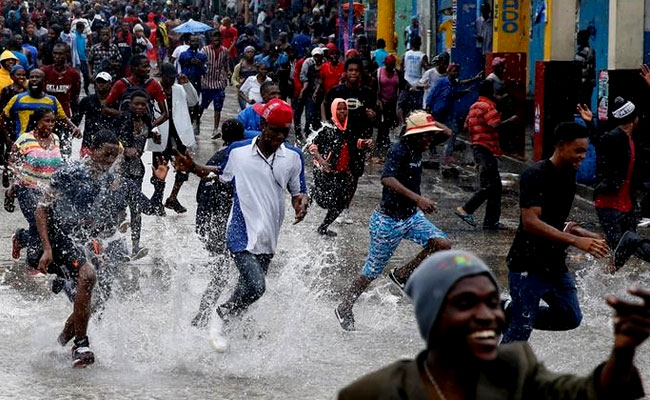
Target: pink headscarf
{"points": [[335, 105]]}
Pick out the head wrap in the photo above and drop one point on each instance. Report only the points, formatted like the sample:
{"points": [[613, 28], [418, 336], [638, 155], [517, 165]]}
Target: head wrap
{"points": [[16, 68], [342, 125], [248, 48]]}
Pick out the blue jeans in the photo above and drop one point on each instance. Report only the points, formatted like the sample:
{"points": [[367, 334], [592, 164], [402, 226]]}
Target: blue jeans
{"points": [[28, 200], [527, 289], [251, 284]]}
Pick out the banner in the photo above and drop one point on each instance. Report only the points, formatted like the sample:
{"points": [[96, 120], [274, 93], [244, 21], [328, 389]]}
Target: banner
{"points": [[511, 26]]}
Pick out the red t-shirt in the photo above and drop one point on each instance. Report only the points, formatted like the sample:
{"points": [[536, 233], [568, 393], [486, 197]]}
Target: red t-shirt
{"points": [[153, 88], [65, 86], [331, 75], [229, 36], [621, 200], [344, 159], [297, 83]]}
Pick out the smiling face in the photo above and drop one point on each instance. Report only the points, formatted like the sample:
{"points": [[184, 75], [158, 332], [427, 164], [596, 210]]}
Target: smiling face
{"points": [[19, 77], [572, 153], [470, 321], [36, 77]]}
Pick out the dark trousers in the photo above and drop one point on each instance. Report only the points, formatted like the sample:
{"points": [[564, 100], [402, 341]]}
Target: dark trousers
{"points": [[298, 106], [312, 116], [490, 186], [527, 289], [83, 67], [251, 284], [615, 223], [388, 120]]}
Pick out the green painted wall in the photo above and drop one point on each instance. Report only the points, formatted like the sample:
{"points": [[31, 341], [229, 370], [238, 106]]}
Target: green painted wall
{"points": [[403, 12]]}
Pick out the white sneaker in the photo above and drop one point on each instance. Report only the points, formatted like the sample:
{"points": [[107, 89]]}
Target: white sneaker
{"points": [[344, 218], [217, 337], [644, 222]]}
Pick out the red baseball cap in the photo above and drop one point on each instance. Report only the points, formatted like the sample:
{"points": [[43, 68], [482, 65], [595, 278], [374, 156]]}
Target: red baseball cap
{"points": [[277, 113], [331, 47]]}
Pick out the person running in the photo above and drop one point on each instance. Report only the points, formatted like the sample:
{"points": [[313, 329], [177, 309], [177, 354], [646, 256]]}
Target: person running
{"points": [[242, 71], [63, 82], [617, 175], [537, 257], [215, 80], [332, 176], [250, 116], [400, 214], [35, 157], [389, 82], [214, 201], [192, 62], [139, 79], [362, 103], [310, 78], [250, 90], [455, 299], [483, 122], [134, 127], [175, 133], [262, 169], [90, 108], [21, 107]]}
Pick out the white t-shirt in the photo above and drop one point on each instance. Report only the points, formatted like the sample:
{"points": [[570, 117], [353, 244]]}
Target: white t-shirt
{"points": [[251, 88], [429, 78], [413, 66], [177, 53], [260, 185]]}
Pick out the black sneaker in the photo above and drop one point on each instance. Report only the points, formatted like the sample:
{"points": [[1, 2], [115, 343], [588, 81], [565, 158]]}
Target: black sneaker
{"points": [[401, 285], [506, 307], [346, 318], [174, 204], [623, 250], [81, 354], [495, 227], [326, 232]]}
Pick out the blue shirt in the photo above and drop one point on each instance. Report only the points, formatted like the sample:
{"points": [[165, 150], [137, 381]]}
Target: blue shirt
{"points": [[22, 59], [81, 46], [380, 56], [192, 71], [300, 43], [405, 165], [251, 121], [440, 99], [33, 54]]}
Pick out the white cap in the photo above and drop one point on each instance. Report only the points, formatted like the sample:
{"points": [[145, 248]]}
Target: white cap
{"points": [[105, 76], [317, 51]]}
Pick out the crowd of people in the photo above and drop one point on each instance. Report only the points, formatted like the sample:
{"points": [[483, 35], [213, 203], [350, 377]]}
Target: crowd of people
{"points": [[146, 89]]}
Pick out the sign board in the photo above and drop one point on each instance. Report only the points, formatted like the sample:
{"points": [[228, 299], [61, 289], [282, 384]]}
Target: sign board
{"points": [[511, 26]]}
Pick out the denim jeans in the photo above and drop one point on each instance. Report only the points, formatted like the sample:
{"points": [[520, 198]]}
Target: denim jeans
{"points": [[527, 289], [251, 284], [490, 186], [28, 200], [615, 223]]}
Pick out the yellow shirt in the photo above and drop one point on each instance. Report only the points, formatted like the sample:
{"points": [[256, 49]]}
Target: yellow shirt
{"points": [[22, 106], [5, 79]]}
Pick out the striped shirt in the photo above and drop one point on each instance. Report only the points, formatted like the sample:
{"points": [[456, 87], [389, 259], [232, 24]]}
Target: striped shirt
{"points": [[218, 68], [38, 163], [21, 107]]}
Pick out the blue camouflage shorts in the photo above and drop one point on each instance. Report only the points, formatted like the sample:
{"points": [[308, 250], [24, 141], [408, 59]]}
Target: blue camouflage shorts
{"points": [[386, 233]]}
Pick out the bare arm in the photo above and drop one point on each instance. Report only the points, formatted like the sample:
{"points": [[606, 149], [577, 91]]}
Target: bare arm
{"points": [[42, 217], [164, 115], [424, 204], [532, 223]]}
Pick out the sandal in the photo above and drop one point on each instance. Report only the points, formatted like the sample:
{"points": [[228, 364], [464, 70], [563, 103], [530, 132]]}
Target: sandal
{"points": [[467, 218], [9, 204]]}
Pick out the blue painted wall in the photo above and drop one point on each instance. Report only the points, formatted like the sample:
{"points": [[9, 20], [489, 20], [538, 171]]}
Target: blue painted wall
{"points": [[646, 34], [536, 49], [594, 16]]}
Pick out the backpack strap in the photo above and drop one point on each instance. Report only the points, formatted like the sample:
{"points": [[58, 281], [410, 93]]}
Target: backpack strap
{"points": [[127, 82]]}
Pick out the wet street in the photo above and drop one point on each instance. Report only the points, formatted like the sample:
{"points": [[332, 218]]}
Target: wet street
{"points": [[289, 345]]}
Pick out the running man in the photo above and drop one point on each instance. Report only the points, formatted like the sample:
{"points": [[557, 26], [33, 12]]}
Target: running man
{"points": [[397, 216], [262, 169], [537, 256]]}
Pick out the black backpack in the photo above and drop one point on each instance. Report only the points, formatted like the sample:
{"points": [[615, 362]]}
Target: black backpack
{"points": [[125, 100]]}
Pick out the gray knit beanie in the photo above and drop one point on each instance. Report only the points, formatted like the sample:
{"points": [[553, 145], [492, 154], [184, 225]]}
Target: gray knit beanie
{"points": [[429, 284]]}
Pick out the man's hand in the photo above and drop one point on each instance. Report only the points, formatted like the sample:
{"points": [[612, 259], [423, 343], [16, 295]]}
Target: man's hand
{"points": [[596, 247], [426, 205], [183, 162], [325, 166], [645, 74], [300, 204], [585, 112], [76, 133], [251, 101], [632, 320], [161, 171], [478, 76], [183, 79], [367, 144], [130, 152], [370, 113], [45, 261]]}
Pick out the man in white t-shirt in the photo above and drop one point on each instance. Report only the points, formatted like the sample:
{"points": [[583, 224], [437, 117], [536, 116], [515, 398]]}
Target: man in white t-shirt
{"points": [[415, 62], [263, 169], [432, 75]]}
